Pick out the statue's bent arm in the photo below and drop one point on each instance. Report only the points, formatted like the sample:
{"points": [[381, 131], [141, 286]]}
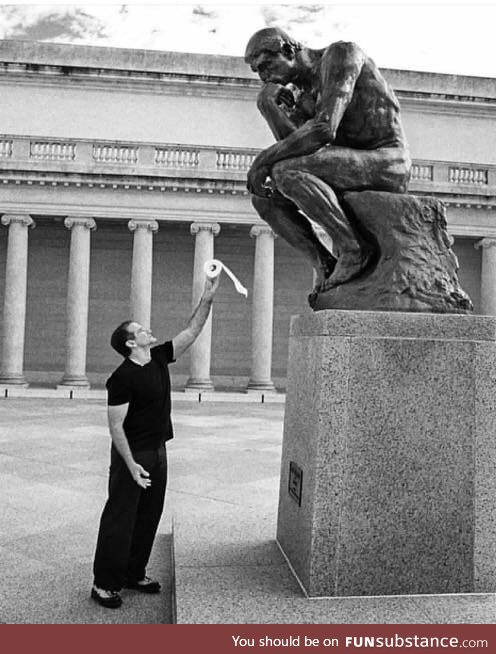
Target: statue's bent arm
{"points": [[340, 67], [279, 122]]}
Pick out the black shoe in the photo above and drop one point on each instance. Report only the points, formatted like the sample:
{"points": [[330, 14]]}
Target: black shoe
{"points": [[145, 585], [110, 599]]}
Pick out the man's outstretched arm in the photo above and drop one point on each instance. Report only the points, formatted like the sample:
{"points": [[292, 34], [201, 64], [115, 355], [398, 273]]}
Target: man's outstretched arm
{"points": [[188, 336]]}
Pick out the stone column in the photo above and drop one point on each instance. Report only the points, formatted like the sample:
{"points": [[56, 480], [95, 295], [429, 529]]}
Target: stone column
{"points": [[262, 310], [14, 307], [199, 379], [488, 276], [141, 275], [78, 286]]}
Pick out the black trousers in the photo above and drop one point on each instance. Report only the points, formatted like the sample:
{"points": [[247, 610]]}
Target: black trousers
{"points": [[129, 520]]}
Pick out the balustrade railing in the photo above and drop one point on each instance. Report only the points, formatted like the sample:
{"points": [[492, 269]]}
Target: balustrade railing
{"points": [[422, 172], [120, 154], [52, 150], [465, 175], [234, 160], [172, 157], [81, 156], [6, 148]]}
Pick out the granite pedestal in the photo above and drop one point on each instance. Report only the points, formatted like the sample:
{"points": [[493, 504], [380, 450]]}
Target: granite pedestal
{"points": [[388, 477]]}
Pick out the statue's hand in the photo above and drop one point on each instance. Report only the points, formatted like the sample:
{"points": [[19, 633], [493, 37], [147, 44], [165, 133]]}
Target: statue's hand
{"points": [[274, 94], [256, 182]]}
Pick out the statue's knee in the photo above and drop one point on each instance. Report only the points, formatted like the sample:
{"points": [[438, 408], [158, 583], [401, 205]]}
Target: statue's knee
{"points": [[259, 203], [265, 207]]}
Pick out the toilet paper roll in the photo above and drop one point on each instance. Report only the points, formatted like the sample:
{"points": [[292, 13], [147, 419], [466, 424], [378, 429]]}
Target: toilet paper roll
{"points": [[213, 268]]}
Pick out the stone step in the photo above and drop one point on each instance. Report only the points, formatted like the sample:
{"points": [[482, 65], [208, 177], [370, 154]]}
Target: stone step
{"points": [[228, 569]]}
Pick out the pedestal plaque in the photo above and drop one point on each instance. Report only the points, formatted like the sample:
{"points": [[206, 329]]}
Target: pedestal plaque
{"points": [[295, 482]]}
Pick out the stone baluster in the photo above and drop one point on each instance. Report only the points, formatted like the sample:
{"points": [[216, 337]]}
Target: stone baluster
{"points": [[14, 308], [199, 379], [142, 268], [262, 310], [78, 285]]}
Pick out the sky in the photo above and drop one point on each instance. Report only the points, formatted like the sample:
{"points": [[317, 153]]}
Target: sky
{"points": [[445, 37]]}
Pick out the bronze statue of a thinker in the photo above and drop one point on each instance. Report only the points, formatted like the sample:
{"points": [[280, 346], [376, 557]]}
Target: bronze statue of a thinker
{"points": [[338, 129]]}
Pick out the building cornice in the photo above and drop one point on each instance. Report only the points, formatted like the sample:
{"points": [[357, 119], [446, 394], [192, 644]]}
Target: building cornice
{"points": [[203, 86], [98, 210], [163, 84], [193, 185], [446, 106], [122, 59], [450, 194], [52, 63], [176, 199]]}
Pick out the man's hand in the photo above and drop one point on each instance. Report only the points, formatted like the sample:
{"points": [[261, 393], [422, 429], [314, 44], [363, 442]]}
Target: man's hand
{"points": [[276, 104], [274, 94], [140, 475], [211, 285], [256, 181]]}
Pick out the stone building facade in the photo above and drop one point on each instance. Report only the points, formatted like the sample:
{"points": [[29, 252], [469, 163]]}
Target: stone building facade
{"points": [[121, 171]]}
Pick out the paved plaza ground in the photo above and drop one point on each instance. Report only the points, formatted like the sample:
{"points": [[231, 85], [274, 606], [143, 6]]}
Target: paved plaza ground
{"points": [[53, 480], [223, 491]]}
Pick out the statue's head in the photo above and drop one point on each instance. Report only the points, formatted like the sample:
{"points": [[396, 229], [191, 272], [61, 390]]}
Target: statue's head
{"points": [[271, 53]]}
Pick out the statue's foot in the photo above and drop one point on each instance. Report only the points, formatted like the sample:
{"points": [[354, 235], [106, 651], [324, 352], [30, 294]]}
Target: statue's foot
{"points": [[348, 266], [322, 273], [312, 298]]}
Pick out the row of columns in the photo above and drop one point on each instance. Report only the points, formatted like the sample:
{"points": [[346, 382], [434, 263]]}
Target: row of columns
{"points": [[140, 298]]}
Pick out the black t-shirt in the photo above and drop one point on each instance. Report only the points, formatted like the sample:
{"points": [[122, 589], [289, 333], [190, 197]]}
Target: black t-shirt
{"points": [[147, 389]]}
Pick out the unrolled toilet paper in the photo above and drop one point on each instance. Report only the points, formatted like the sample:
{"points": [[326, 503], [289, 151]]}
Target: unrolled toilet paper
{"points": [[213, 268]]}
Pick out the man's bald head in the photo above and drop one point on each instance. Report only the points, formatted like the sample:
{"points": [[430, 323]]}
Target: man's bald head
{"points": [[272, 39]]}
